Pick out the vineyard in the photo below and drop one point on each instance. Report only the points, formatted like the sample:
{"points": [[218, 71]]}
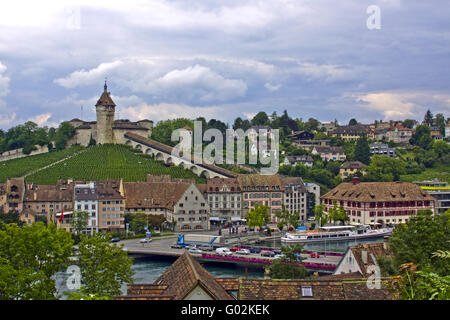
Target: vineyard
{"points": [[109, 161], [20, 167]]}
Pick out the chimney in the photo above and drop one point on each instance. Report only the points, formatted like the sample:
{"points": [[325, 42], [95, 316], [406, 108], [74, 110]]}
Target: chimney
{"points": [[364, 256], [355, 180]]}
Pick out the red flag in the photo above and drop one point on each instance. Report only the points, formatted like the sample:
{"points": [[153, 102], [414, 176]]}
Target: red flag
{"points": [[62, 215]]}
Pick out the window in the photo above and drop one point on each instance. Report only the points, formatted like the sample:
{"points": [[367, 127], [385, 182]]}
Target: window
{"points": [[307, 291]]}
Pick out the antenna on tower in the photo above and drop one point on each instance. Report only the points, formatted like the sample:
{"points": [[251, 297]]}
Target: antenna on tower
{"points": [[81, 112]]}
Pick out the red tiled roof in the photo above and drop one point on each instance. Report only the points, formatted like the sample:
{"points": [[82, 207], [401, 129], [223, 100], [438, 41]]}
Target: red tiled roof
{"points": [[378, 191], [185, 274], [158, 194]]}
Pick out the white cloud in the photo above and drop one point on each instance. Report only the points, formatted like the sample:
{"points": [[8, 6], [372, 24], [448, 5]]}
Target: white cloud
{"points": [[4, 81], [327, 71], [401, 105], [198, 82], [42, 120], [164, 111], [7, 119], [157, 77], [249, 116], [271, 87], [90, 77]]}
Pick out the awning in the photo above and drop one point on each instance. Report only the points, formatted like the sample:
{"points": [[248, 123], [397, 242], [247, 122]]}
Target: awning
{"points": [[214, 219], [235, 219], [65, 213]]}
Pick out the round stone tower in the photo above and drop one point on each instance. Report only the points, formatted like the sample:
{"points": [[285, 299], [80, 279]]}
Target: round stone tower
{"points": [[105, 108]]}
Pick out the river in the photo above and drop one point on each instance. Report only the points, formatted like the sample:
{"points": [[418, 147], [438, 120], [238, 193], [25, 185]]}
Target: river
{"points": [[148, 269]]}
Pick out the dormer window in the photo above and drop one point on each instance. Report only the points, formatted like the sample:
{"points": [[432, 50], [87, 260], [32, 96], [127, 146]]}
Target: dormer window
{"points": [[307, 291]]}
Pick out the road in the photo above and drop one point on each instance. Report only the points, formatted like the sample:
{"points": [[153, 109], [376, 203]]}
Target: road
{"points": [[162, 247]]}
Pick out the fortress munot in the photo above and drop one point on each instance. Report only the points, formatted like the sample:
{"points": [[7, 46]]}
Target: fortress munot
{"points": [[106, 129]]}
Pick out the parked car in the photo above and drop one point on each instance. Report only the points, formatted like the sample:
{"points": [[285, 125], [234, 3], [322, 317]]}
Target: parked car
{"points": [[243, 251], [145, 240], [206, 247], [234, 249], [277, 251], [224, 252], [279, 256], [195, 250], [268, 253], [176, 246], [311, 219], [114, 240], [255, 250], [313, 255]]}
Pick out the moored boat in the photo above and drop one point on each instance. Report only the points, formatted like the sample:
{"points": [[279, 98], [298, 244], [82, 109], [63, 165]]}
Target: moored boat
{"points": [[335, 233]]}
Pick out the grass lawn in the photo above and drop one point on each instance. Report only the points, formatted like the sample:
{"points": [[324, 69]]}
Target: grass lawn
{"points": [[441, 172]]}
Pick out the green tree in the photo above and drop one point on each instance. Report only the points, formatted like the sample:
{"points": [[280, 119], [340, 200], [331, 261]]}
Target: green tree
{"points": [[138, 223], [338, 214], [92, 142], [287, 218], [321, 217], [422, 285], [258, 216], [409, 123], [312, 125], [80, 221], [104, 267], [260, 118], [416, 240], [362, 150], [333, 167], [64, 132], [422, 137], [440, 123], [10, 217], [384, 168], [441, 148], [289, 266], [352, 122], [428, 118], [29, 259], [162, 132]]}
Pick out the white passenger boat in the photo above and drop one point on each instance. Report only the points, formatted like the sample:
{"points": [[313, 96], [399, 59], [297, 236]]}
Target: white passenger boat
{"points": [[335, 233]]}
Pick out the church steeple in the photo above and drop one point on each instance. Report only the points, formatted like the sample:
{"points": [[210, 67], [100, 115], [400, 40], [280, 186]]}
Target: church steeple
{"points": [[106, 87]]}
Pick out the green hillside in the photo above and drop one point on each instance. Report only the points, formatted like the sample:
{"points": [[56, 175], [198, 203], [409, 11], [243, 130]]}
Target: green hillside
{"points": [[440, 172], [109, 161], [20, 167]]}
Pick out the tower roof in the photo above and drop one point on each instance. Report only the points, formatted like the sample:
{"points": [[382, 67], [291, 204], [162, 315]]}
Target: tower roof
{"points": [[105, 99]]}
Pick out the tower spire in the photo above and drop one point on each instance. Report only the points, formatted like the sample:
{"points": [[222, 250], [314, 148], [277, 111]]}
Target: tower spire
{"points": [[106, 87]]}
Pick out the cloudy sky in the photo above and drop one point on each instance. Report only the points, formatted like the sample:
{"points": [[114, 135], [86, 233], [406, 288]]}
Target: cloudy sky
{"points": [[223, 59]]}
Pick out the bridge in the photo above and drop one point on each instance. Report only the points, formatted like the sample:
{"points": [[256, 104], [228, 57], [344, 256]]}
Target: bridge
{"points": [[163, 153]]}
